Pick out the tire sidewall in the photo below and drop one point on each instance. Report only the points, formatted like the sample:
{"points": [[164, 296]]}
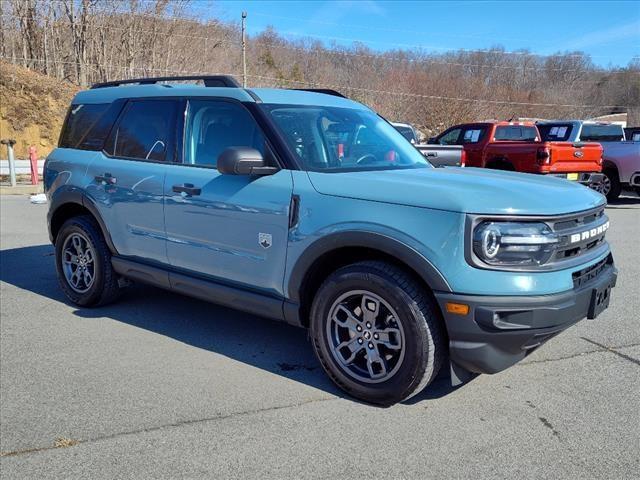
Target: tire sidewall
{"points": [[92, 295], [614, 184], [416, 335]]}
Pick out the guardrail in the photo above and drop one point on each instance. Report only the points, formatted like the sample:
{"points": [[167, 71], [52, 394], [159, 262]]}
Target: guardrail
{"points": [[23, 167]]}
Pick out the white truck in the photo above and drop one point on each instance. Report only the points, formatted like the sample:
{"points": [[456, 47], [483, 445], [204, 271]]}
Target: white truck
{"points": [[620, 157]]}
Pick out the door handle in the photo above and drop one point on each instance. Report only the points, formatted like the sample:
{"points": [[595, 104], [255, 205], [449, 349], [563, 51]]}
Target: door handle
{"points": [[432, 154], [186, 188], [106, 179]]}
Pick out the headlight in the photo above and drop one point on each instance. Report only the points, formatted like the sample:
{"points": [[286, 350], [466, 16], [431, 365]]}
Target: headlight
{"points": [[514, 243]]}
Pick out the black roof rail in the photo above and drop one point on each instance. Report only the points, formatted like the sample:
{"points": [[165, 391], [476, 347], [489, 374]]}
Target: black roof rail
{"points": [[208, 80], [326, 91]]}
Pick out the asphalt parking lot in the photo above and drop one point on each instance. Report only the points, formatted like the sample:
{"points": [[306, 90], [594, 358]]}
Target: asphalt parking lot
{"points": [[162, 386]]}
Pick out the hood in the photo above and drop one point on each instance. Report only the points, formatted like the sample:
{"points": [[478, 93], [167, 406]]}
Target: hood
{"points": [[466, 190]]}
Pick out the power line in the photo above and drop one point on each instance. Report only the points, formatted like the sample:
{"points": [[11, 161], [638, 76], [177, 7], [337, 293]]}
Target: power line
{"points": [[332, 86], [436, 97]]}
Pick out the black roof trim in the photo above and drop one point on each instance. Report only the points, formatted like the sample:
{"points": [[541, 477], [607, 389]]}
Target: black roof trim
{"points": [[253, 95], [209, 81], [326, 91]]}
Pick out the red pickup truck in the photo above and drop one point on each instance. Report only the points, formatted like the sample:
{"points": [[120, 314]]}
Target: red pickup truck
{"points": [[517, 146]]}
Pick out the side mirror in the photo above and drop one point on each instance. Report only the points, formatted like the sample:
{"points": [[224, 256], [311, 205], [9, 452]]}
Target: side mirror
{"points": [[243, 161], [432, 141]]}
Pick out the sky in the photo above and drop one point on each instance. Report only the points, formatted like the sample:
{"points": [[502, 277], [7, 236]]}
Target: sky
{"points": [[609, 31]]}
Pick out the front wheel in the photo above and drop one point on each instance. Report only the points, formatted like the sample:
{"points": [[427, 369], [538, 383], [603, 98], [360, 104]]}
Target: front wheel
{"points": [[377, 333]]}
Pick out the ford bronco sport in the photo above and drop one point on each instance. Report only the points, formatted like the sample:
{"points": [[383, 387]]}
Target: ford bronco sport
{"points": [[261, 200]]}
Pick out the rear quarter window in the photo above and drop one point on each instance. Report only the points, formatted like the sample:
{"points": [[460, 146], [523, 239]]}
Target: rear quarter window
{"points": [[516, 133], [601, 133], [80, 120]]}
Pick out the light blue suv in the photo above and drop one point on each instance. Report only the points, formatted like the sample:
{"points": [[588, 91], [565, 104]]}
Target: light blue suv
{"points": [[310, 208]]}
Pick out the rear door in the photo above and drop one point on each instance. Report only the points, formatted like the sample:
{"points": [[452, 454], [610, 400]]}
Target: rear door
{"points": [[128, 177], [233, 228]]}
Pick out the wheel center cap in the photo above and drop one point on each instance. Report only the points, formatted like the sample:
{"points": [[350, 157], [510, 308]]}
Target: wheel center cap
{"points": [[367, 335]]}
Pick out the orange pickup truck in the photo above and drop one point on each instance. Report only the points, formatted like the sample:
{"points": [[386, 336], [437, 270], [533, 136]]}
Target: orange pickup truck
{"points": [[517, 146]]}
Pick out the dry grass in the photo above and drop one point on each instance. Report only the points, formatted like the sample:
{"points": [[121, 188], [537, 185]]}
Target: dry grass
{"points": [[32, 108]]}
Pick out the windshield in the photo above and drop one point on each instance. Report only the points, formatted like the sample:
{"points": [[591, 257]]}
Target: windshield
{"points": [[331, 139], [601, 133]]}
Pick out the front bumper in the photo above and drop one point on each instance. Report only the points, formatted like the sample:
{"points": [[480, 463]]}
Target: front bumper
{"points": [[499, 331]]}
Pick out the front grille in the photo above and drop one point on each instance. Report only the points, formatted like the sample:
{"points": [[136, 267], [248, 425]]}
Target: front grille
{"points": [[585, 275], [579, 233]]}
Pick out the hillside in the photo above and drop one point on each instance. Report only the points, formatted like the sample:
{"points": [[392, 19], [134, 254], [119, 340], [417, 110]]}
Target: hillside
{"points": [[32, 109]]}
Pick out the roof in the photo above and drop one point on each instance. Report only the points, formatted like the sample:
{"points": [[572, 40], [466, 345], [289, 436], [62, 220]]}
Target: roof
{"points": [[598, 121], [264, 95]]}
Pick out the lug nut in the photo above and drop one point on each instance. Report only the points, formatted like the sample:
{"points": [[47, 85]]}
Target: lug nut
{"points": [[368, 325], [370, 345], [376, 336], [359, 328], [360, 341]]}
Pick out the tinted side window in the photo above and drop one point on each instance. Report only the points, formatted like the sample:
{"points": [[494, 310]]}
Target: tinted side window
{"points": [[473, 135], [450, 138], [79, 121], [96, 136], [213, 126], [601, 133], [521, 133], [146, 131]]}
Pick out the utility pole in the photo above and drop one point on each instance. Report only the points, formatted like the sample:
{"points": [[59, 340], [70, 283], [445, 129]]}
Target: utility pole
{"points": [[244, 50]]}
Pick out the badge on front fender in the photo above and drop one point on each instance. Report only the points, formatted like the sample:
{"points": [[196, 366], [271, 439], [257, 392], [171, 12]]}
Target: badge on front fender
{"points": [[265, 240]]}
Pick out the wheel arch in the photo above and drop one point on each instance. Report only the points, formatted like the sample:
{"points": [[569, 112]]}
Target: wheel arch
{"points": [[334, 251], [68, 204], [609, 165]]}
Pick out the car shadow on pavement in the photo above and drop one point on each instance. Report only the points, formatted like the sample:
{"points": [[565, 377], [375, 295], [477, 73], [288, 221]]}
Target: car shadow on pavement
{"points": [[623, 202], [266, 344]]}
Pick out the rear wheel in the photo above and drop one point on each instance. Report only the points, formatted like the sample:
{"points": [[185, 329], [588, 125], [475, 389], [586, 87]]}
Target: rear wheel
{"points": [[83, 262], [377, 333], [611, 187]]}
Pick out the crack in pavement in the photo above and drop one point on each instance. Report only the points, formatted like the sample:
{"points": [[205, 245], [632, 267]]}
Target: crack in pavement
{"points": [[611, 349], [181, 423], [601, 348]]}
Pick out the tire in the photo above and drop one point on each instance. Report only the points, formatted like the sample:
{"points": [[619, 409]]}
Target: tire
{"points": [[80, 245], [406, 319], [611, 187]]}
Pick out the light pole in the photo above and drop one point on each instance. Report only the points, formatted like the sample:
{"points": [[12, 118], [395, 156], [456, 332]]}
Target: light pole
{"points": [[244, 50]]}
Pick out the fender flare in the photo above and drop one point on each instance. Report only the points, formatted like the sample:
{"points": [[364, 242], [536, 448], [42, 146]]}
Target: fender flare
{"points": [[390, 246], [609, 165], [78, 197]]}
